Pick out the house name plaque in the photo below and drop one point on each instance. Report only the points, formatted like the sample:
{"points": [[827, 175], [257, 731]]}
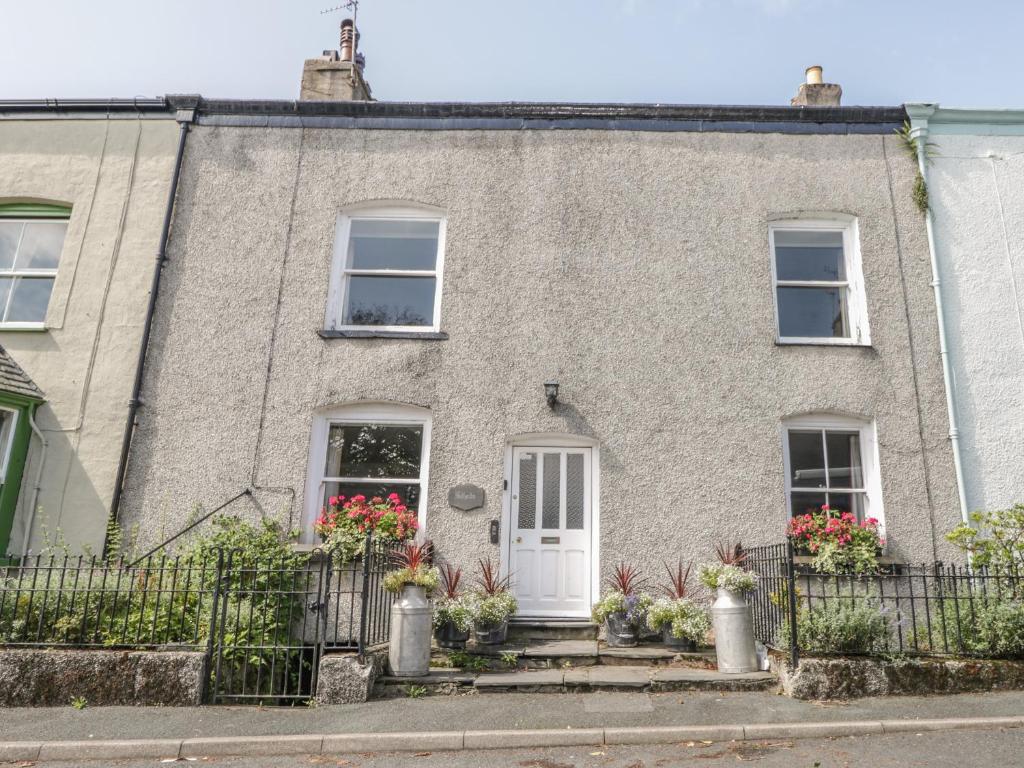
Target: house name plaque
{"points": [[466, 497]]}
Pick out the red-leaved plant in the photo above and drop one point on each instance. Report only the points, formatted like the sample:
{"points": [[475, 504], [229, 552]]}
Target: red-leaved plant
{"points": [[489, 581], [678, 586], [625, 579], [731, 554], [413, 556], [451, 579]]}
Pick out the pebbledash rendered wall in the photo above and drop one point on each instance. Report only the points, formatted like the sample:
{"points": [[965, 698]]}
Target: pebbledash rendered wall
{"points": [[976, 189], [113, 166], [630, 265]]}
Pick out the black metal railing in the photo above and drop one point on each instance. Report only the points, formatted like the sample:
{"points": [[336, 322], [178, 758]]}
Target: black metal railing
{"points": [[263, 623], [91, 602], [933, 609]]}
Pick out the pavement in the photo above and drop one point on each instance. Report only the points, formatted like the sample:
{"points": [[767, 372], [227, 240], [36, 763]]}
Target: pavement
{"points": [[955, 749], [493, 721]]}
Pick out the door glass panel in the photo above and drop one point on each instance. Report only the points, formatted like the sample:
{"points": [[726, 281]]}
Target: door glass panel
{"points": [[527, 491], [550, 515], [806, 459], [844, 464], [374, 450], [574, 495]]}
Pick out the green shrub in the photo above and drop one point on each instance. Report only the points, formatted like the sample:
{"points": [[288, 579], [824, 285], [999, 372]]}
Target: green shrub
{"points": [[841, 625], [996, 540], [994, 629]]}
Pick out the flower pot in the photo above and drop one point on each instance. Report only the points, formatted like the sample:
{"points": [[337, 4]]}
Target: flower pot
{"points": [[409, 650], [681, 644], [619, 633], [449, 636], [734, 633], [491, 634]]}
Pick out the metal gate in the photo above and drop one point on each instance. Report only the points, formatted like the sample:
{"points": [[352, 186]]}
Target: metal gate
{"points": [[268, 631], [273, 620]]}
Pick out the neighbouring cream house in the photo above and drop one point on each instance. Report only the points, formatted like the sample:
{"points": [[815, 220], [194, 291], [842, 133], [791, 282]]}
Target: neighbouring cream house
{"points": [[568, 335], [973, 161], [83, 195]]}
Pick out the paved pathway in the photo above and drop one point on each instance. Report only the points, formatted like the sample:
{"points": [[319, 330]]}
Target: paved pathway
{"points": [[486, 712]]}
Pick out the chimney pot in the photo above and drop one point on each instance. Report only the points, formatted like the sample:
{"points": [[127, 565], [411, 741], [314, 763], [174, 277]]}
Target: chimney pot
{"points": [[347, 39], [337, 75], [815, 92]]}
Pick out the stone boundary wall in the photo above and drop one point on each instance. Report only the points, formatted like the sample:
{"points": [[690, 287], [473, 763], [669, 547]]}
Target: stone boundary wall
{"points": [[818, 678], [344, 679], [53, 677]]}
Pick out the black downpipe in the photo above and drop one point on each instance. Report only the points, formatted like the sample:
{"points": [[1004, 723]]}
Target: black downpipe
{"points": [[184, 118]]}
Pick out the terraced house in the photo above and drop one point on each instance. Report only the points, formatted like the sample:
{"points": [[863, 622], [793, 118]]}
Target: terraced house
{"points": [[566, 334], [83, 197]]}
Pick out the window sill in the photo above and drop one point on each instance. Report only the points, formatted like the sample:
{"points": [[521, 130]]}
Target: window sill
{"points": [[370, 334], [20, 327], [856, 344]]}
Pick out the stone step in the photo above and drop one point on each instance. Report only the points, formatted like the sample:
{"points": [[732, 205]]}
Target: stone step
{"points": [[520, 630], [586, 679], [561, 654]]}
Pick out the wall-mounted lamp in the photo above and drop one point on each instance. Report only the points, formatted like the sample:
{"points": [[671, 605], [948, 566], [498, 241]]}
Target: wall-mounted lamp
{"points": [[551, 392]]}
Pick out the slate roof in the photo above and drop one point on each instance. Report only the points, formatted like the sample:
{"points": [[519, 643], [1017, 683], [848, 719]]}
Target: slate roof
{"points": [[13, 379]]}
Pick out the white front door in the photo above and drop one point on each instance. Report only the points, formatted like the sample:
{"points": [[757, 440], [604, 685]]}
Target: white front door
{"points": [[550, 547]]}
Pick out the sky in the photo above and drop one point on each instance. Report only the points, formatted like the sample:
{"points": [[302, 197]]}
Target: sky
{"points": [[964, 53]]}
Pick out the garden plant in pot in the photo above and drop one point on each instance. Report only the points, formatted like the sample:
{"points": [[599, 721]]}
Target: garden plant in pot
{"points": [[413, 580], [623, 608], [343, 523], [734, 625], [493, 604], [453, 611], [837, 541], [682, 623]]}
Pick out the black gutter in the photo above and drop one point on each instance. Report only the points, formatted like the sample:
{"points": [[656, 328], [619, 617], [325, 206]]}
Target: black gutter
{"points": [[545, 111], [184, 117], [85, 105]]}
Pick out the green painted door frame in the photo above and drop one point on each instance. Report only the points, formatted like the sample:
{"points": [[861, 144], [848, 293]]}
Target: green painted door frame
{"points": [[24, 408]]}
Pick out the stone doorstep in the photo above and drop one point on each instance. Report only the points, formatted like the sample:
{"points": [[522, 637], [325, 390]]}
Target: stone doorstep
{"points": [[556, 654]]}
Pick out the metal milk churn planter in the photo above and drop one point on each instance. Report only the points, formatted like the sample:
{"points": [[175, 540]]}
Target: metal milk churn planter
{"points": [[734, 633], [409, 651]]}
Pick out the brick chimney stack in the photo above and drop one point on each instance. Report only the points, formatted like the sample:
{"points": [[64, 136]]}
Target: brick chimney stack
{"points": [[337, 75], [815, 93]]}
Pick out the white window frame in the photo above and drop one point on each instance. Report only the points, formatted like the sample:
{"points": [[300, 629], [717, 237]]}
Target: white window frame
{"points": [[856, 298], [7, 441], [18, 273], [872, 488], [341, 272], [392, 414]]}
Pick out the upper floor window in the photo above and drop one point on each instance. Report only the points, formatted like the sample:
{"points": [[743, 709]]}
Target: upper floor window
{"points": [[31, 240], [387, 270], [819, 290], [832, 460], [372, 449]]}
